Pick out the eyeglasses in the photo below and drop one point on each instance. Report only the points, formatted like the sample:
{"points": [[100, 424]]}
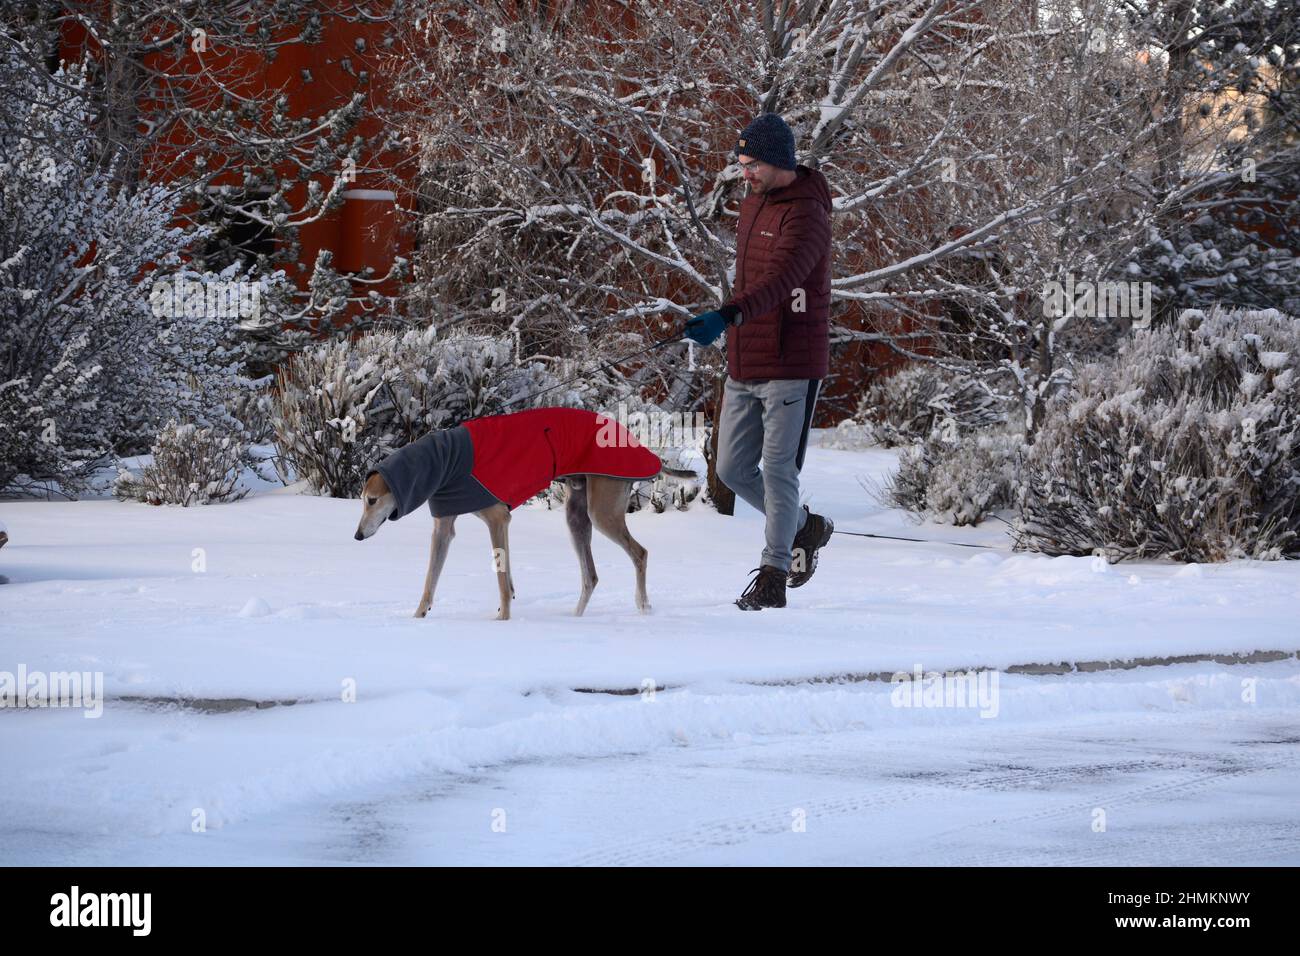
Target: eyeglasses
{"points": [[752, 164]]}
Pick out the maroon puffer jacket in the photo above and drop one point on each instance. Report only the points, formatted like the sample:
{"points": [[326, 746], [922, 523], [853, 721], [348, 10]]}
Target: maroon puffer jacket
{"points": [[783, 243]]}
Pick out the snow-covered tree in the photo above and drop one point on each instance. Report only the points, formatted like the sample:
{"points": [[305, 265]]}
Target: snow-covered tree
{"points": [[575, 168], [1225, 223], [90, 365], [577, 178], [191, 94]]}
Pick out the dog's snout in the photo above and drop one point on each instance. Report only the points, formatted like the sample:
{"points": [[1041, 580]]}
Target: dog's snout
{"points": [[359, 536]]}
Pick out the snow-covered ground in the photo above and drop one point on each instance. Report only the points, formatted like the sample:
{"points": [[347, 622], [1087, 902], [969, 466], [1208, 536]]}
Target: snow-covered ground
{"points": [[469, 740]]}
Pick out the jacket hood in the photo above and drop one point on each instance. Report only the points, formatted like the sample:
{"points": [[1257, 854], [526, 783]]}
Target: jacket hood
{"points": [[416, 471], [808, 184]]}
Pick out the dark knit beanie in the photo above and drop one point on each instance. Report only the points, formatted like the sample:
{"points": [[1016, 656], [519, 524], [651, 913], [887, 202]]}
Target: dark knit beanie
{"points": [[768, 138]]}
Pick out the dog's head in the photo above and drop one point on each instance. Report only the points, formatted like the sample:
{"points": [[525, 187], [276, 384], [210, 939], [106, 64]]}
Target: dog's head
{"points": [[377, 503]]}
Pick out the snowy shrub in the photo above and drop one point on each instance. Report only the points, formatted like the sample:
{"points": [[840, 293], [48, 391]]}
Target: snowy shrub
{"points": [[191, 466], [664, 492], [252, 408], [910, 405], [667, 490], [339, 407], [1183, 446], [87, 369], [960, 481], [850, 435], [610, 396]]}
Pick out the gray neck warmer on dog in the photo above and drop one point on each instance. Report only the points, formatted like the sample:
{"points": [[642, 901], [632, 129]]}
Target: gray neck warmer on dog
{"points": [[435, 469]]}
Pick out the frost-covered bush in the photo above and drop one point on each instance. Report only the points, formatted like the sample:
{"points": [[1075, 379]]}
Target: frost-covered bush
{"points": [[910, 405], [674, 437], [252, 407], [1183, 446], [87, 369], [958, 481], [664, 492], [850, 435], [339, 407], [191, 466]]}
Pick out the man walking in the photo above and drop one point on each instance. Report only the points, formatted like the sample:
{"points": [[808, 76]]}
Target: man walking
{"points": [[778, 348]]}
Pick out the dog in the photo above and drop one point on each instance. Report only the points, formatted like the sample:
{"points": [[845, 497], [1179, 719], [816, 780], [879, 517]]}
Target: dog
{"points": [[489, 466]]}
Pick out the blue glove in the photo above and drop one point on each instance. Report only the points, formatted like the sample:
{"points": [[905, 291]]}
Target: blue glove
{"points": [[706, 327]]}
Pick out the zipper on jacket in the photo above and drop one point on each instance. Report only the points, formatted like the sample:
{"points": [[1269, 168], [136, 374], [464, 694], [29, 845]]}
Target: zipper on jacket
{"points": [[739, 368]]}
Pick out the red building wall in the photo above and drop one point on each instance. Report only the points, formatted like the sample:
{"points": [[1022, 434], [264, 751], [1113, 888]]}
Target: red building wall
{"points": [[366, 231]]}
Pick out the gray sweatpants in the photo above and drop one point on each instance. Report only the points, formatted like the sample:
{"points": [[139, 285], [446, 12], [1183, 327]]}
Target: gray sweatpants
{"points": [[767, 421]]}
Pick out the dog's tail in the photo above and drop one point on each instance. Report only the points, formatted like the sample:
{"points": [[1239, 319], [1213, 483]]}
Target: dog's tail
{"points": [[683, 473]]}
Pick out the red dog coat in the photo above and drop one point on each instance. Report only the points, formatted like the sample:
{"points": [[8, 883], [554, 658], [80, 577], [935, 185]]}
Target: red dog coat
{"points": [[518, 455]]}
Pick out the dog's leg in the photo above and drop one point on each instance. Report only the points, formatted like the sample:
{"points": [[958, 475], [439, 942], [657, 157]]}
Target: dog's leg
{"points": [[498, 522], [607, 506], [444, 529], [575, 513]]}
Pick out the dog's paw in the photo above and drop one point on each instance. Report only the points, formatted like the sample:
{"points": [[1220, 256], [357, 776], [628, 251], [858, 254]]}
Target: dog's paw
{"points": [[422, 610]]}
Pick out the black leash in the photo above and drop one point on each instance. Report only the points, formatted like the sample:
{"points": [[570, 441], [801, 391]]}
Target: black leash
{"points": [[619, 361], [891, 537], [955, 544]]}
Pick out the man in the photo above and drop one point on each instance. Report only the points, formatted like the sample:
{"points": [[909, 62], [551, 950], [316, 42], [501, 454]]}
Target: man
{"points": [[778, 348]]}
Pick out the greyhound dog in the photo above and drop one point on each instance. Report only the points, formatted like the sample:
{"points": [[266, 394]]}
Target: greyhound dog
{"points": [[488, 466], [592, 500]]}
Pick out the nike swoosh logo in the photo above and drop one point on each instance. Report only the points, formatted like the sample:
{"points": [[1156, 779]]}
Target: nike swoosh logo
{"points": [[792, 401]]}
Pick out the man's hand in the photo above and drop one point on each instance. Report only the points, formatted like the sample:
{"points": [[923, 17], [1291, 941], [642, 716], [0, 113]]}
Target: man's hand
{"points": [[706, 327]]}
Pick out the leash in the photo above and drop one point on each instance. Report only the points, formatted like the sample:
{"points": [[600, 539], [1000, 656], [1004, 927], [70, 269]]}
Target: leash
{"points": [[607, 365], [955, 544], [891, 537]]}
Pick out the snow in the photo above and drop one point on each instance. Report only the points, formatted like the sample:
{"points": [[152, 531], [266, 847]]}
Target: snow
{"points": [[726, 729], [1274, 361]]}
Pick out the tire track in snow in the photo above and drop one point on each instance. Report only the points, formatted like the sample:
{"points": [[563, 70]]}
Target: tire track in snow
{"points": [[774, 820], [1145, 847]]}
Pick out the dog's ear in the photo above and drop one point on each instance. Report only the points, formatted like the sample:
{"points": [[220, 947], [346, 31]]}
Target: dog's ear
{"points": [[375, 486]]}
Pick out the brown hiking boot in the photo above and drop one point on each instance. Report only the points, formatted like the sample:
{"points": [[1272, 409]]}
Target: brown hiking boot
{"points": [[767, 589], [813, 536]]}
